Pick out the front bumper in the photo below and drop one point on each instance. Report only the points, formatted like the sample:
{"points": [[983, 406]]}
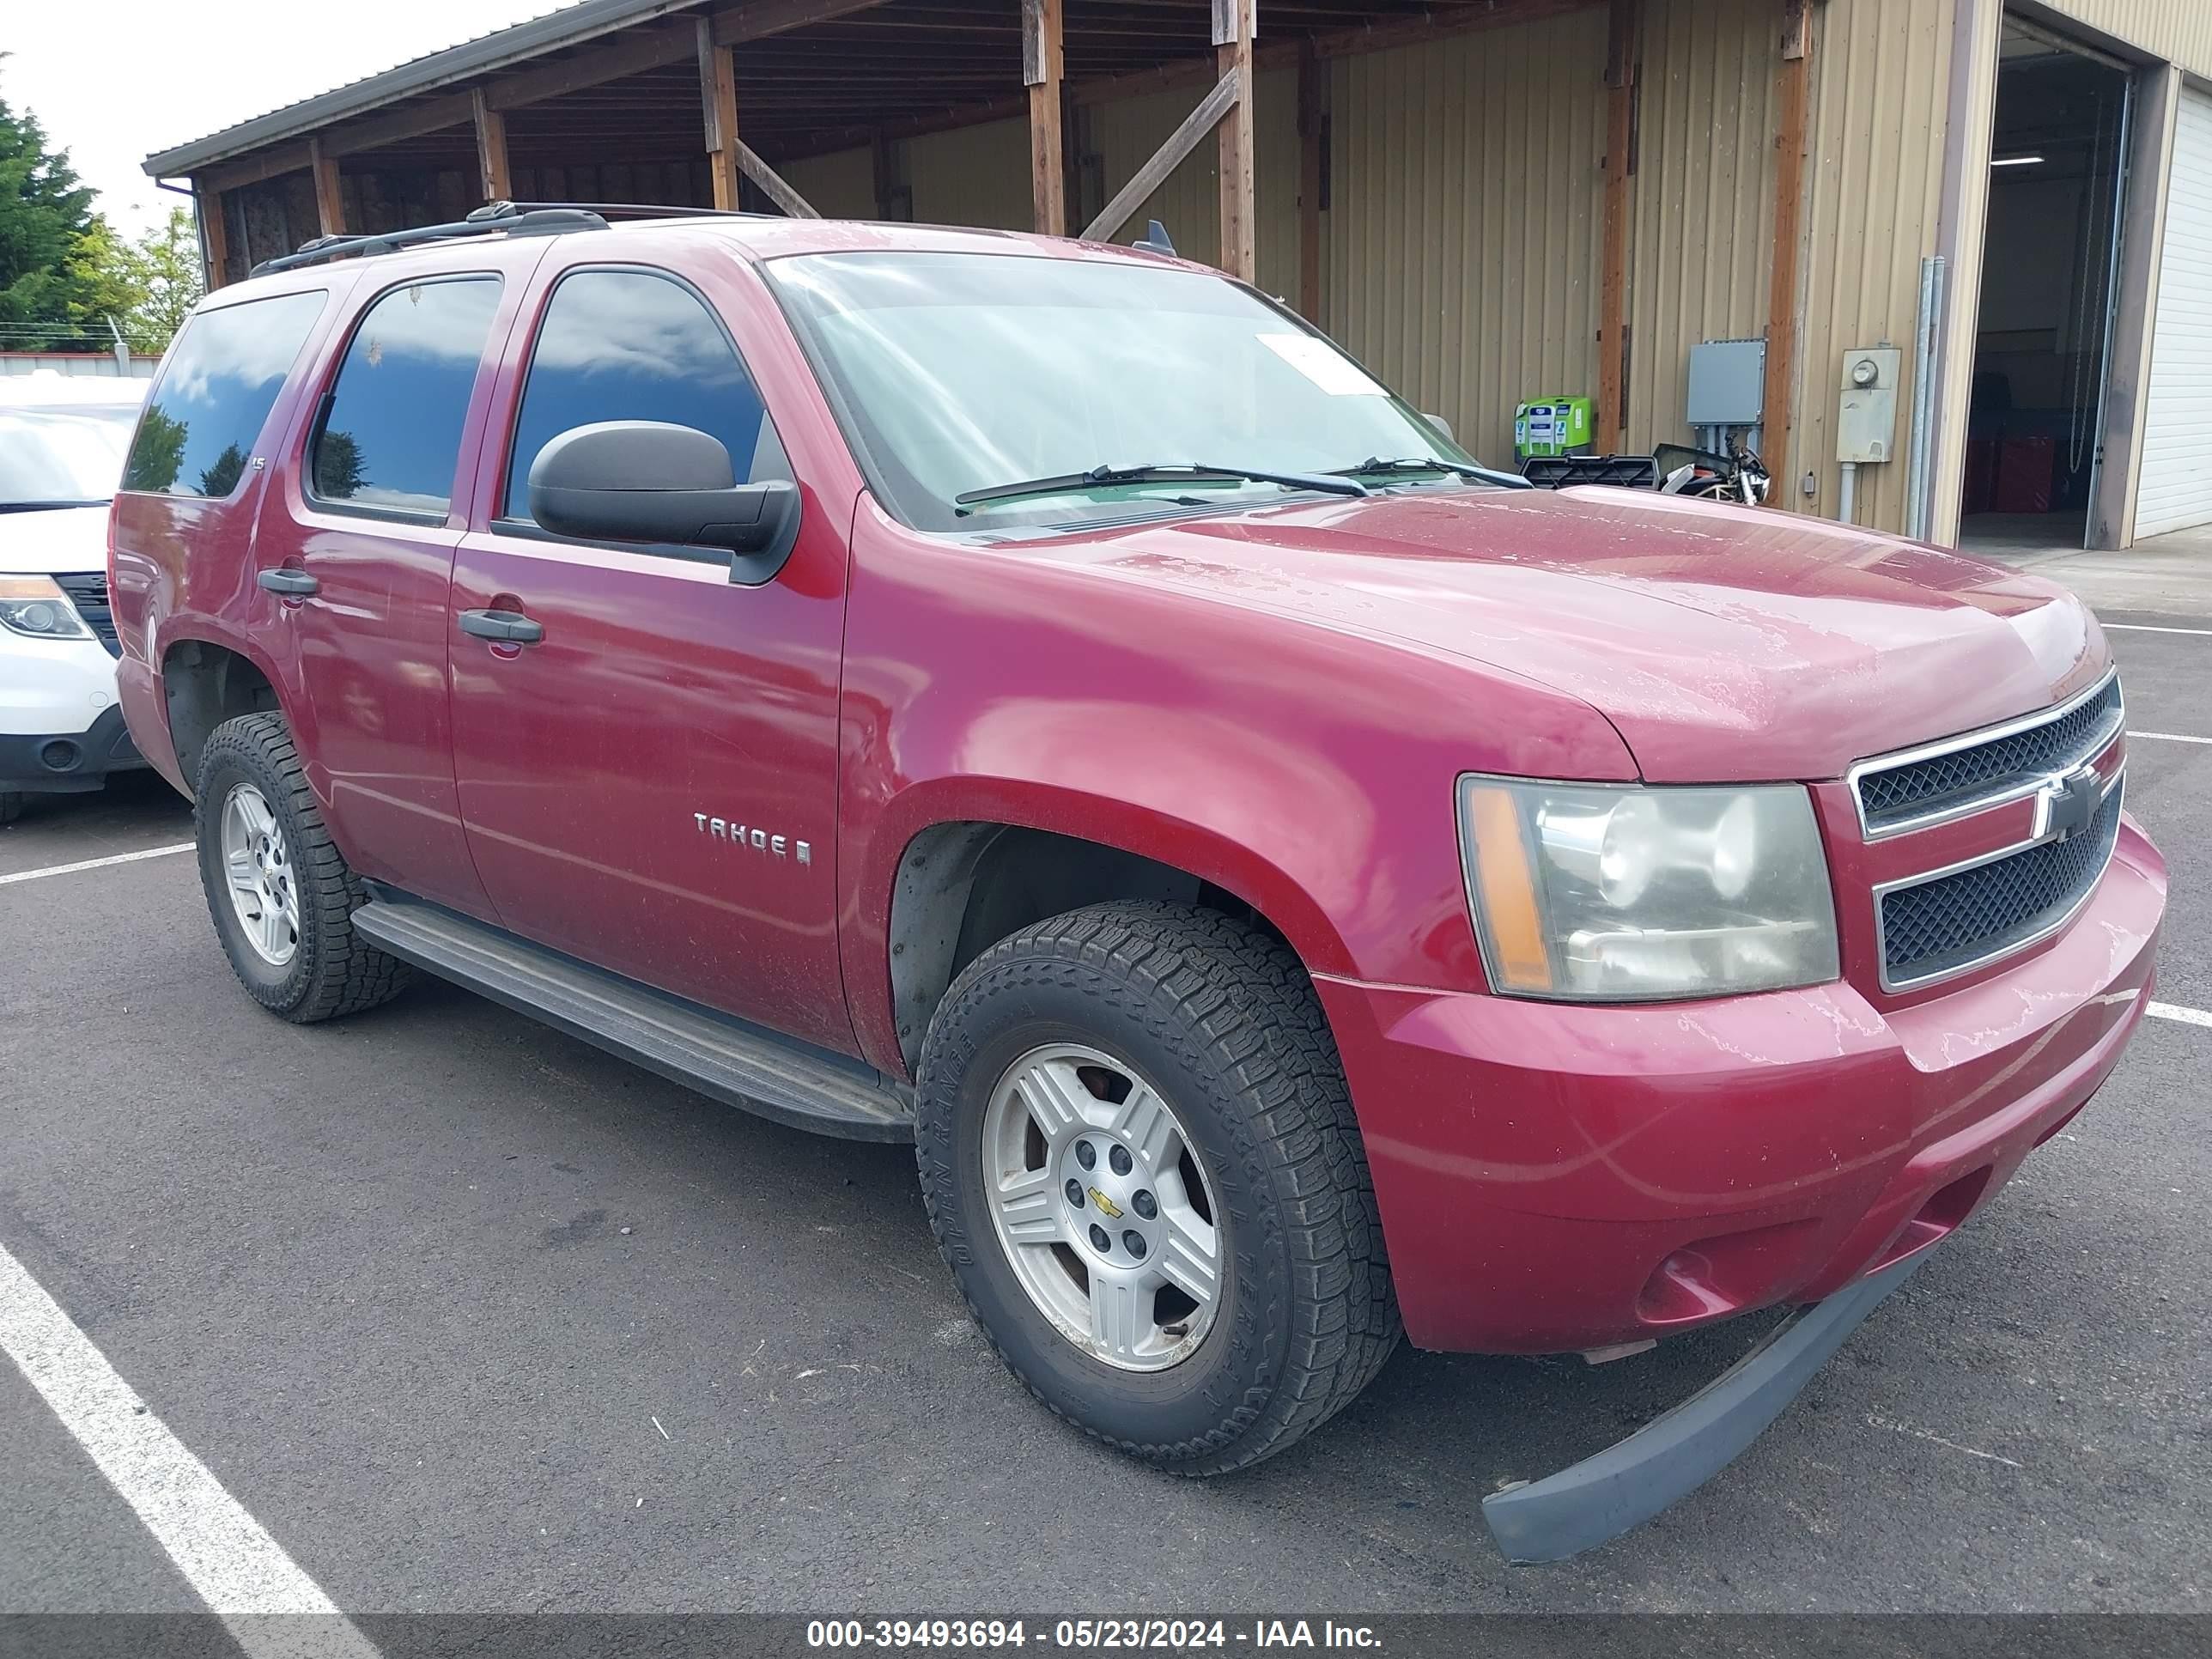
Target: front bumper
{"points": [[1555, 1176], [67, 762]]}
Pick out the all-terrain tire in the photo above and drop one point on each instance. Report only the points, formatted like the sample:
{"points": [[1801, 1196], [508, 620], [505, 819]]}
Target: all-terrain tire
{"points": [[1220, 1019], [332, 970]]}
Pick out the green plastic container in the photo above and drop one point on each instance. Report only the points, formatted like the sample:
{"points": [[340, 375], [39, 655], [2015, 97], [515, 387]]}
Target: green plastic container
{"points": [[1553, 426]]}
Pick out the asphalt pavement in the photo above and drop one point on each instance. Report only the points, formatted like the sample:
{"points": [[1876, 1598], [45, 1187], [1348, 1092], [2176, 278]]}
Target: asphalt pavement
{"points": [[469, 1316]]}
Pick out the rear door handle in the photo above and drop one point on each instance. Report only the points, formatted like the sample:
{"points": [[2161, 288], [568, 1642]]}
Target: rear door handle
{"points": [[509, 627], [292, 584]]}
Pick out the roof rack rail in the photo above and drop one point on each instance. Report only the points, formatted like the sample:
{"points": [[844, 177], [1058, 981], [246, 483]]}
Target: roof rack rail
{"points": [[629, 211], [500, 218]]}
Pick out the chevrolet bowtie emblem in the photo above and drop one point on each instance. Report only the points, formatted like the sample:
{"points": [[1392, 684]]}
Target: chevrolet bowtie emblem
{"points": [[2067, 806], [1113, 1210]]}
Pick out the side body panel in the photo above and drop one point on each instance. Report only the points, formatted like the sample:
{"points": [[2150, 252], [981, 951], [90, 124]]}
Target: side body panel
{"points": [[1308, 769], [181, 567]]}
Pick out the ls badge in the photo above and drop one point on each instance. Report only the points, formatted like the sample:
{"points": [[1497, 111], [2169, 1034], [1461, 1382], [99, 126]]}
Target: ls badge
{"points": [[761, 841]]}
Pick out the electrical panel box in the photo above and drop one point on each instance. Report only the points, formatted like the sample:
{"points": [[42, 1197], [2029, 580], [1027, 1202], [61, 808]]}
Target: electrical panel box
{"points": [[1866, 428], [1727, 383], [1553, 426]]}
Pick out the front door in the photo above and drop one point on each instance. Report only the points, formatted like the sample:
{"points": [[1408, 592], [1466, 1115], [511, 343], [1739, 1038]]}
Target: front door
{"points": [[650, 784]]}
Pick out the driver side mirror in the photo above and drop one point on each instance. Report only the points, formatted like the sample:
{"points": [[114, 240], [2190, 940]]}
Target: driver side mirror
{"points": [[651, 482]]}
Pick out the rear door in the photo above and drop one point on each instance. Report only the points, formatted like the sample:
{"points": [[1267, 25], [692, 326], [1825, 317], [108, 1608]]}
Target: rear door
{"points": [[650, 786], [355, 558]]}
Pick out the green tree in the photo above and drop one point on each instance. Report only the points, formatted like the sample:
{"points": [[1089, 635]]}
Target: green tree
{"points": [[52, 289], [159, 279], [223, 473], [157, 455], [339, 468]]}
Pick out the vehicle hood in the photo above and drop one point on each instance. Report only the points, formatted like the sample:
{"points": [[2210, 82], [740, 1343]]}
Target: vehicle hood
{"points": [[55, 542], [1724, 643]]}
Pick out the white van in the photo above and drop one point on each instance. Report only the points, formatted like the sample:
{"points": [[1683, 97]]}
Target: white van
{"points": [[62, 443]]}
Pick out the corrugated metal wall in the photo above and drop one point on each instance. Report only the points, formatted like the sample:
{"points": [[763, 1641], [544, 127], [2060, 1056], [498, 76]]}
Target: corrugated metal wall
{"points": [[2180, 30], [976, 175], [1464, 233], [1702, 198], [1881, 94], [839, 185], [1124, 134]]}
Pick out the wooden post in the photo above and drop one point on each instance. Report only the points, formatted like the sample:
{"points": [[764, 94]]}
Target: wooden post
{"points": [[330, 200], [1622, 48], [1793, 88], [491, 148], [1233, 28], [718, 98], [1043, 69], [1312, 102], [214, 236]]}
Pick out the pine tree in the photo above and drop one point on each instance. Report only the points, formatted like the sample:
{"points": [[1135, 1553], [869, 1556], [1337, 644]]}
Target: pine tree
{"points": [[54, 290]]}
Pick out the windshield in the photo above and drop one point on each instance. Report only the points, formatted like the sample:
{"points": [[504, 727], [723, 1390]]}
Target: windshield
{"points": [[958, 375], [67, 457]]}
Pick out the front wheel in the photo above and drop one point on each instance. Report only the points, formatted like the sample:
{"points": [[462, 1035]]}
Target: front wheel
{"points": [[1140, 1161]]}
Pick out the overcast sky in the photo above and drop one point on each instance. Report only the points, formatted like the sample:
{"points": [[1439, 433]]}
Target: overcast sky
{"points": [[115, 81]]}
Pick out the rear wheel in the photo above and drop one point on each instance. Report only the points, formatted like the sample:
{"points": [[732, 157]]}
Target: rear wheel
{"points": [[1140, 1161], [280, 892]]}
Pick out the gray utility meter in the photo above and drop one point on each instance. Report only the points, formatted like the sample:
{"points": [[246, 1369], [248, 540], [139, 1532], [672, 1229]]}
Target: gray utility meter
{"points": [[1866, 431]]}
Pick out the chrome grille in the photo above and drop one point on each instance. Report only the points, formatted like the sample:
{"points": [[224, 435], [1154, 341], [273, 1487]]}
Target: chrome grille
{"points": [[88, 593], [1980, 769], [1936, 926]]}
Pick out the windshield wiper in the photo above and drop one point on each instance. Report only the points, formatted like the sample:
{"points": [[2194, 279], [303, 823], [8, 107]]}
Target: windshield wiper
{"points": [[1433, 464], [1329, 483]]}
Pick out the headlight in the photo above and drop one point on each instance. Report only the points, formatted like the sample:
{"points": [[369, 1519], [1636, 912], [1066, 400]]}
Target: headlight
{"points": [[36, 606], [1587, 893]]}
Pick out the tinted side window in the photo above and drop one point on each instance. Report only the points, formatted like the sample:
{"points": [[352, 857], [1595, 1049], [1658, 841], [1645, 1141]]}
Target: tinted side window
{"points": [[626, 345], [216, 390], [390, 435]]}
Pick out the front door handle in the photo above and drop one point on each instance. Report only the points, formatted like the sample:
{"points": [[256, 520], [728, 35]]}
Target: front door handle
{"points": [[507, 627], [292, 584]]}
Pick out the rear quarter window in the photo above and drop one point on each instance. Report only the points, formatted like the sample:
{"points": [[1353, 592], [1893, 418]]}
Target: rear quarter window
{"points": [[205, 414]]}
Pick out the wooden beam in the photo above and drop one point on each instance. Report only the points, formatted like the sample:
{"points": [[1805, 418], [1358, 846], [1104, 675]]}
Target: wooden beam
{"points": [[1793, 99], [1233, 24], [771, 182], [718, 98], [1165, 160], [330, 200], [491, 151], [1623, 48], [1313, 101], [1044, 66], [215, 235]]}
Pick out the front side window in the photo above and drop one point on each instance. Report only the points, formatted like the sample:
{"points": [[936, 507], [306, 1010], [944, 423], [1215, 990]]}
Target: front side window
{"points": [[390, 438], [631, 345], [958, 374], [220, 380]]}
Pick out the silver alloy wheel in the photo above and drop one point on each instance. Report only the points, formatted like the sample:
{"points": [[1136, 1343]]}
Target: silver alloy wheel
{"points": [[1102, 1207], [257, 865]]}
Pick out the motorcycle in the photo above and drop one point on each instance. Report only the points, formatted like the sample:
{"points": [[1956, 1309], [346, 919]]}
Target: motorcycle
{"points": [[1671, 470]]}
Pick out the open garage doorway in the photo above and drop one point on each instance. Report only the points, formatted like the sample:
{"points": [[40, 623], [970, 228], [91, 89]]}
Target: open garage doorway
{"points": [[2058, 174]]}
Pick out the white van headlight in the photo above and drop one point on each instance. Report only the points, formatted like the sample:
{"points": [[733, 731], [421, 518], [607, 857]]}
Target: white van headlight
{"points": [[1585, 892], [36, 606]]}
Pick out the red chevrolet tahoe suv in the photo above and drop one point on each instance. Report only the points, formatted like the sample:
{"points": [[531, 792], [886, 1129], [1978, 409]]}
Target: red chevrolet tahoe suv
{"points": [[1047, 702]]}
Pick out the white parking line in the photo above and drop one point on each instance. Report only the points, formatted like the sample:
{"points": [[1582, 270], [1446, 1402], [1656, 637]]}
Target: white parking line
{"points": [[2174, 1011], [2145, 628], [2168, 736], [270, 1607], [94, 863]]}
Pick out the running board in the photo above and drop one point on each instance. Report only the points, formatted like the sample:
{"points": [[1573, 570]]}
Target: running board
{"points": [[725, 1059]]}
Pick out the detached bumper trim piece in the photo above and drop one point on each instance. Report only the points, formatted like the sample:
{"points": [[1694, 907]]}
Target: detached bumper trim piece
{"points": [[1592, 1501]]}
